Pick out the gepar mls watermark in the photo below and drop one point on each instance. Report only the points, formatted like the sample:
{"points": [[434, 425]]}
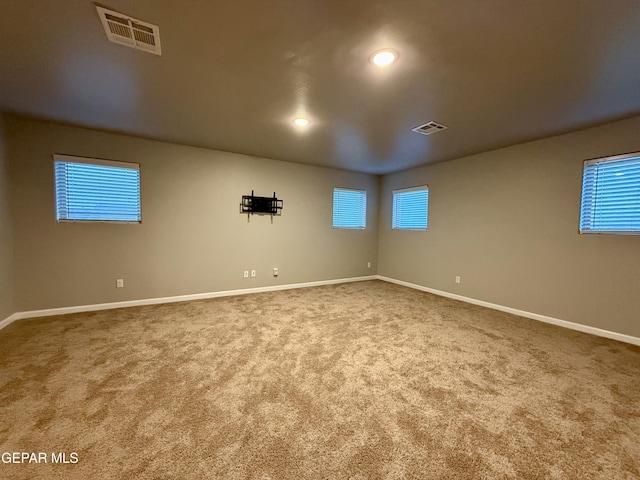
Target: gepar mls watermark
{"points": [[40, 457]]}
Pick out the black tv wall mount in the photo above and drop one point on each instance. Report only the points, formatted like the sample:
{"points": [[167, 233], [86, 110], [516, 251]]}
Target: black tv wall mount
{"points": [[261, 205]]}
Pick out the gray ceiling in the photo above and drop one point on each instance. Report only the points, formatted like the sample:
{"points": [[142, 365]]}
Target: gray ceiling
{"points": [[234, 73]]}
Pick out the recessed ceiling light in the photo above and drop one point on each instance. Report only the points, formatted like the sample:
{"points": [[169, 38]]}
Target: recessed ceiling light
{"points": [[385, 57], [301, 122]]}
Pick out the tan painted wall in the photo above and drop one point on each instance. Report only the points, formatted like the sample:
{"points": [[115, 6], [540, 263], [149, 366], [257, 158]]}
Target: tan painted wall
{"points": [[6, 240], [506, 222], [192, 238]]}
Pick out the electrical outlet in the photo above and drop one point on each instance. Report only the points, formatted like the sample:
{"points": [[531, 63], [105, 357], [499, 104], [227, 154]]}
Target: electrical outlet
{"points": [[457, 279], [275, 271], [246, 274], [253, 273], [120, 283], [368, 264]]}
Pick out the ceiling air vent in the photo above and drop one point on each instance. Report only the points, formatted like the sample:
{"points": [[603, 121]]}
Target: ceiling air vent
{"points": [[429, 128], [130, 32]]}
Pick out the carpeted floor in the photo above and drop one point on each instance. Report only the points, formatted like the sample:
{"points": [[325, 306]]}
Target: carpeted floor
{"points": [[356, 381]]}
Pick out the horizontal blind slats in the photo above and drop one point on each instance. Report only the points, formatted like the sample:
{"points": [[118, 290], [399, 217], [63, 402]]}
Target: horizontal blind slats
{"points": [[611, 196], [410, 209], [349, 208], [86, 191]]}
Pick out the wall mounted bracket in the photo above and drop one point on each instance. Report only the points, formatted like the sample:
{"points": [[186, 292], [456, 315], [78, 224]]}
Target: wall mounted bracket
{"points": [[261, 205]]}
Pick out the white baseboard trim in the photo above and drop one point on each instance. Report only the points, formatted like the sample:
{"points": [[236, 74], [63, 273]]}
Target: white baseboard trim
{"points": [[245, 291], [179, 298], [534, 316], [9, 320]]}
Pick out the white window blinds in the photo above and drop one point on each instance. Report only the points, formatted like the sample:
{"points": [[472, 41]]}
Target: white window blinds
{"points": [[611, 195], [96, 190], [349, 208], [410, 208]]}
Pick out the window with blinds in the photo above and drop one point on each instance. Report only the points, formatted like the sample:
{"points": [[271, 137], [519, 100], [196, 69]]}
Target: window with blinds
{"points": [[611, 195], [349, 208], [96, 190], [410, 208]]}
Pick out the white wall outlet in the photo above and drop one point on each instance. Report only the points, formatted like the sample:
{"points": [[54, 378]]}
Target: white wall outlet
{"points": [[246, 274], [275, 271], [120, 283], [457, 279], [253, 273], [368, 264]]}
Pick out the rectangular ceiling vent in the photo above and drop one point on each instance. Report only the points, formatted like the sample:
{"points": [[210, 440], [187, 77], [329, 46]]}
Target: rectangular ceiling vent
{"points": [[429, 128], [130, 31]]}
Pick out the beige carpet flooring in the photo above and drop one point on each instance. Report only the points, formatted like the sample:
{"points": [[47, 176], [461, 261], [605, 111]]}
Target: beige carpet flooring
{"points": [[356, 381]]}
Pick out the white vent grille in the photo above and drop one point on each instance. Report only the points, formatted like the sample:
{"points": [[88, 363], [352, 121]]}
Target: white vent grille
{"points": [[130, 32], [429, 128]]}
